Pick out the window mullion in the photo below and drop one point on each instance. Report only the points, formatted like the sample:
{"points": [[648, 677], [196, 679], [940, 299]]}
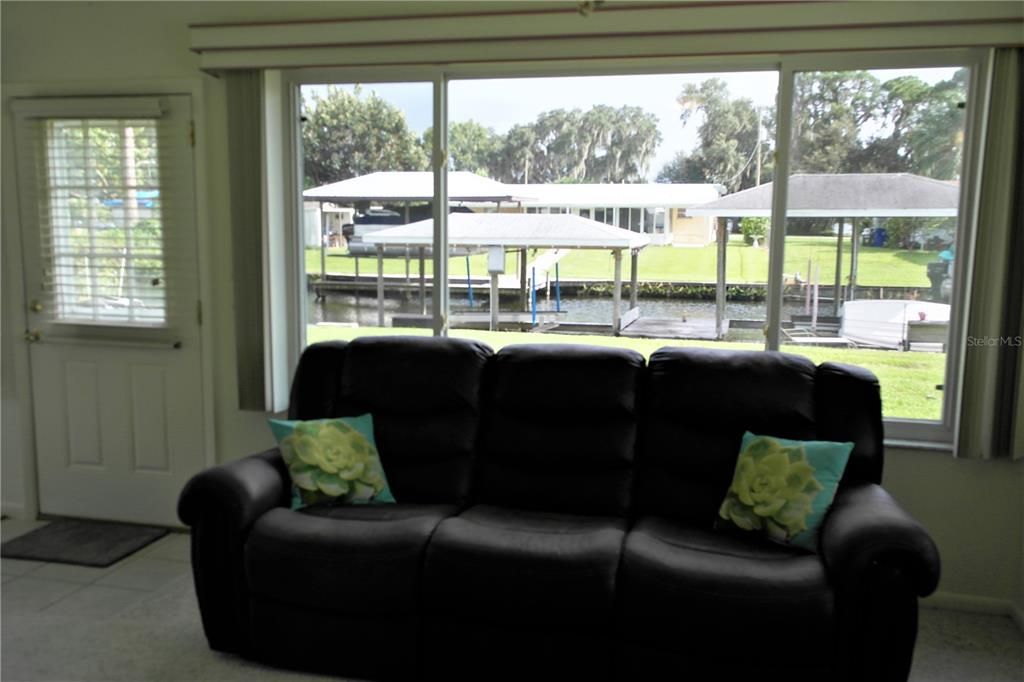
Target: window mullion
{"points": [[440, 167], [780, 187]]}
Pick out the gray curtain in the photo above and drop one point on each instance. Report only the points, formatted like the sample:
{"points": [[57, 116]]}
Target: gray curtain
{"points": [[245, 137], [992, 357]]}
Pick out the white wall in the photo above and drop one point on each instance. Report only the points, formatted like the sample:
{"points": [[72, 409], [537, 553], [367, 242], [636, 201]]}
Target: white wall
{"points": [[102, 48], [973, 509], [12, 482]]}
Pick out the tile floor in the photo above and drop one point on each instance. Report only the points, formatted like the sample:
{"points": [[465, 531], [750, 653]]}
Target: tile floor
{"points": [[138, 621]]}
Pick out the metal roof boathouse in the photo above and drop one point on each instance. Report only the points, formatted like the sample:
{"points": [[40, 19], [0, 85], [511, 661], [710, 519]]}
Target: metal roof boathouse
{"points": [[519, 231], [844, 195], [838, 196], [399, 186]]}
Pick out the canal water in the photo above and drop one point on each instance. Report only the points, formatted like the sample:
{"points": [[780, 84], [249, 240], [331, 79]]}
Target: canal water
{"points": [[361, 309]]}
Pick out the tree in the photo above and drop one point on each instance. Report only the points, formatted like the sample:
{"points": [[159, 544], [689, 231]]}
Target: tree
{"points": [[562, 146], [728, 135], [935, 138], [515, 159], [634, 139], [346, 135], [603, 144], [850, 122], [682, 168], [829, 110], [471, 147]]}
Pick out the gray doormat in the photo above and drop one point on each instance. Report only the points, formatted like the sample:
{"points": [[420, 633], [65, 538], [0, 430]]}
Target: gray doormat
{"points": [[84, 543]]}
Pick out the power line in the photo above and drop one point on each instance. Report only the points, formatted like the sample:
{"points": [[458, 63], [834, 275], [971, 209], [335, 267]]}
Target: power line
{"points": [[757, 146]]}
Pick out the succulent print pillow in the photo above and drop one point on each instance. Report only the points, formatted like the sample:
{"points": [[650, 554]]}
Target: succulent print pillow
{"points": [[332, 461], [783, 488]]}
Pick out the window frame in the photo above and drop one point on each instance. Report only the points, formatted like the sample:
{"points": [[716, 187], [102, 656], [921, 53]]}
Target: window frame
{"points": [[170, 116], [937, 435], [912, 433]]}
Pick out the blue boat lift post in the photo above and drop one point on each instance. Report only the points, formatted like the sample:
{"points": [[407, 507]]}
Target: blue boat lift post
{"points": [[533, 296], [558, 291]]}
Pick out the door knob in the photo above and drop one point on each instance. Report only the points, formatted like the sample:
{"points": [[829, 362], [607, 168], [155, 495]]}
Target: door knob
{"points": [[33, 336], [36, 307]]}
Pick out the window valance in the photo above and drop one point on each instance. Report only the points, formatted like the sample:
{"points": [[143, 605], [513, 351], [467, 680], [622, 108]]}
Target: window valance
{"points": [[605, 31]]}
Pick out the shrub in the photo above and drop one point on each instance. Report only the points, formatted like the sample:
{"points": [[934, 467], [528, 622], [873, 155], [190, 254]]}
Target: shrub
{"points": [[754, 228], [673, 290]]}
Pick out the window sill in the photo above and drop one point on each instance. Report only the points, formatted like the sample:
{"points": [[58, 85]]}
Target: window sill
{"points": [[909, 444]]}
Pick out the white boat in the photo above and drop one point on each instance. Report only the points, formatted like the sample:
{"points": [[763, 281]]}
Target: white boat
{"points": [[889, 324]]}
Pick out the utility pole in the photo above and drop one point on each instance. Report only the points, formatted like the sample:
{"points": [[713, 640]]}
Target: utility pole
{"points": [[757, 175]]}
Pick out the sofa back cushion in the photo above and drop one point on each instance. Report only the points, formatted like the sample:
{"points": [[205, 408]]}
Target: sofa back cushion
{"points": [[559, 428], [701, 401], [848, 407], [423, 394]]}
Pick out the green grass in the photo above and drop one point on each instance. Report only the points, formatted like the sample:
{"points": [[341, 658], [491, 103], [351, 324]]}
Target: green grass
{"points": [[908, 379], [744, 264]]}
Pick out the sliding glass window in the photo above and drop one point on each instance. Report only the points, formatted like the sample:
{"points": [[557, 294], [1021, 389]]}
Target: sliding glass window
{"points": [[366, 151], [592, 232], [871, 232], [637, 211]]}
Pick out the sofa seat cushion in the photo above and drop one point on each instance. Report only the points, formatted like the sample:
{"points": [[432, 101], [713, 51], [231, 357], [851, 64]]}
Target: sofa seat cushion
{"points": [[363, 560], [724, 596], [508, 566]]}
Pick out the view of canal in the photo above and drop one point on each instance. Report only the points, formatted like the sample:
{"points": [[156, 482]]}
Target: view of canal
{"points": [[361, 309]]}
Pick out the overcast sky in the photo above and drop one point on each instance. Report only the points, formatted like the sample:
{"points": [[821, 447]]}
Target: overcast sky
{"points": [[501, 103]]}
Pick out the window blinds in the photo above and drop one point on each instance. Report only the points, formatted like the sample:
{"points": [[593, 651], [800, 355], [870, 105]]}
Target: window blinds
{"points": [[102, 192]]}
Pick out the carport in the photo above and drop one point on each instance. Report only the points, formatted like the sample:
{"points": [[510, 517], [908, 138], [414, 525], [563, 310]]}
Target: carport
{"points": [[840, 197]]}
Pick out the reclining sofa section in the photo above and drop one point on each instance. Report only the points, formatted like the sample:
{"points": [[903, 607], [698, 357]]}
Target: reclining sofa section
{"points": [[555, 518]]}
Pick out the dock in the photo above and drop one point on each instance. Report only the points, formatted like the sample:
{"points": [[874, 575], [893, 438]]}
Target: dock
{"points": [[508, 285], [672, 328], [472, 320]]}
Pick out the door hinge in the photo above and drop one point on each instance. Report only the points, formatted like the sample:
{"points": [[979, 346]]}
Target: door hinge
{"points": [[192, 133], [199, 313]]}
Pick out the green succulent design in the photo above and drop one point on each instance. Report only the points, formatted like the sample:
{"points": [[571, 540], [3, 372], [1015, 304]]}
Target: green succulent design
{"points": [[772, 489], [331, 461]]}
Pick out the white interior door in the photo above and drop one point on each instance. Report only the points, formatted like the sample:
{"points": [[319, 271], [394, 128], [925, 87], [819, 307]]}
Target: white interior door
{"points": [[108, 220]]}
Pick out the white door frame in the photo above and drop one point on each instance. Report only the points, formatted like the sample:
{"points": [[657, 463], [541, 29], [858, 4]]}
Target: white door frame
{"points": [[15, 317]]}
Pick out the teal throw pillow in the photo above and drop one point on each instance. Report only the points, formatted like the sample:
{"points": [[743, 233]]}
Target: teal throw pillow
{"points": [[332, 461], [783, 488]]}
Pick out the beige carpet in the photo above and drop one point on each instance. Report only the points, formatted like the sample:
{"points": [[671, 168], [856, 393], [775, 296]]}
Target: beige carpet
{"points": [[138, 621]]}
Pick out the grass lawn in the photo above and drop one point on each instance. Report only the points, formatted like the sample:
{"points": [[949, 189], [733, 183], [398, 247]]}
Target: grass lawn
{"points": [[908, 379], [876, 266]]}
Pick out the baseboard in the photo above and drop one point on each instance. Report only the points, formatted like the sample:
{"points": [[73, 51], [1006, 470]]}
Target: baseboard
{"points": [[15, 511], [953, 601], [1017, 613]]}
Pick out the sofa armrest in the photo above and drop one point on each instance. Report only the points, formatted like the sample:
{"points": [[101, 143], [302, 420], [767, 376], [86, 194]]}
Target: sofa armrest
{"points": [[221, 504], [866, 529], [242, 490], [879, 560]]}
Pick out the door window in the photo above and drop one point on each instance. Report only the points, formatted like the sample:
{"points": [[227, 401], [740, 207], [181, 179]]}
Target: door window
{"points": [[102, 236]]}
